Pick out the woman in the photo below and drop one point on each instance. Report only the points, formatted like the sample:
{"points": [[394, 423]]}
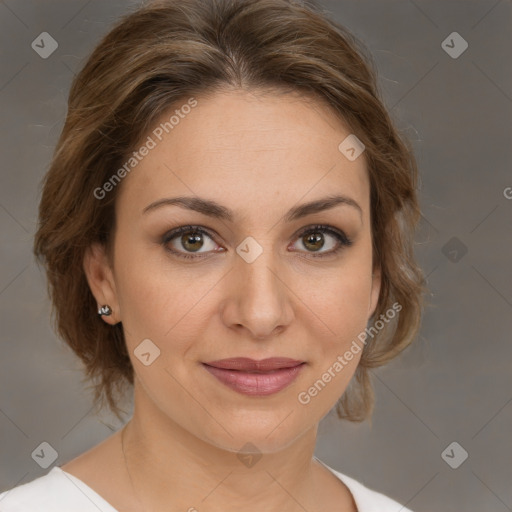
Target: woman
{"points": [[227, 226]]}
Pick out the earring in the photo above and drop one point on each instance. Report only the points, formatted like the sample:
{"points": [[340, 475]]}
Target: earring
{"points": [[105, 310]]}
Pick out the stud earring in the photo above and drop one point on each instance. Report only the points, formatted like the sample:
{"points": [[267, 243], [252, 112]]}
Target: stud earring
{"points": [[105, 310]]}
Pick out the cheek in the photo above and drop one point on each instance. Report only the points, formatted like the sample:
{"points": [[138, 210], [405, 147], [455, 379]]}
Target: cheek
{"points": [[145, 291], [339, 314], [155, 294], [345, 312], [335, 351], [343, 295], [162, 301]]}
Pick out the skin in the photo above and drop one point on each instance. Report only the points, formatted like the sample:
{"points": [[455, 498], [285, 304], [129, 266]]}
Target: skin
{"points": [[258, 154]]}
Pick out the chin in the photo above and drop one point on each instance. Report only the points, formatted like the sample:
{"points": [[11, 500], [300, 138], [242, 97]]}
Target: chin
{"points": [[254, 433]]}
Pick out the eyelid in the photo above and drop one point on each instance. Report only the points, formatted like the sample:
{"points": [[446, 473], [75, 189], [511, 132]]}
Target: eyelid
{"points": [[175, 232], [326, 229], [342, 238]]}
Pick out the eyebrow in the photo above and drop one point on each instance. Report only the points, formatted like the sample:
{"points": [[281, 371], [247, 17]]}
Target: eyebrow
{"points": [[216, 210]]}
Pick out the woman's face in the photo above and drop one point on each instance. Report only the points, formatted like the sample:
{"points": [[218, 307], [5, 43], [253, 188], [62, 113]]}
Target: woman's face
{"points": [[253, 282]]}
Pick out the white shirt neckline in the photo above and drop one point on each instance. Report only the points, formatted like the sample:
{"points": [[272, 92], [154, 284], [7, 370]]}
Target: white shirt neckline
{"points": [[90, 493], [107, 507], [58, 488]]}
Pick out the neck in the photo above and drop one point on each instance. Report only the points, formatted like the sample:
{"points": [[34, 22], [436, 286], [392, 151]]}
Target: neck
{"points": [[167, 464]]}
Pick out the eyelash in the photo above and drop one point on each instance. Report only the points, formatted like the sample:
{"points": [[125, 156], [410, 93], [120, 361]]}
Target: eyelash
{"points": [[343, 240]]}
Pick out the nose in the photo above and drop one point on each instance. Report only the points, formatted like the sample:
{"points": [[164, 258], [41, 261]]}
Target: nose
{"points": [[258, 298]]}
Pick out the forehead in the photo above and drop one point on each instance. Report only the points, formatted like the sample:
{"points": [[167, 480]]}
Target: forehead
{"points": [[248, 148]]}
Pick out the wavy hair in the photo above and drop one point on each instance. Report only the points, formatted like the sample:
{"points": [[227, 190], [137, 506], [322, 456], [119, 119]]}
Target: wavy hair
{"points": [[168, 50]]}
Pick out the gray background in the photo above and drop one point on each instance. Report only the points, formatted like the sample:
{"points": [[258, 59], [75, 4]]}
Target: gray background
{"points": [[453, 384]]}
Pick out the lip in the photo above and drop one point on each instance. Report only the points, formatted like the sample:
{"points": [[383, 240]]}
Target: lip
{"points": [[252, 365], [255, 378]]}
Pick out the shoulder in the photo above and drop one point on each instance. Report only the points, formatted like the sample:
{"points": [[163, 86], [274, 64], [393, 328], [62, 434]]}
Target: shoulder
{"points": [[366, 499], [57, 491]]}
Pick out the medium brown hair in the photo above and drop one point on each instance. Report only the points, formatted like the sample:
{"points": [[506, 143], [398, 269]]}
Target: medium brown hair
{"points": [[170, 50]]}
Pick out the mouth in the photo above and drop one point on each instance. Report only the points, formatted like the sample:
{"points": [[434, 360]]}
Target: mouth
{"points": [[255, 378]]}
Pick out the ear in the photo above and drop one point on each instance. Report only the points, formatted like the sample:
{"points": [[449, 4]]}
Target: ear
{"points": [[100, 277], [375, 291]]}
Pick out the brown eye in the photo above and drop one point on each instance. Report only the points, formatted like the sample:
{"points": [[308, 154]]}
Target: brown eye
{"points": [[192, 242], [189, 239], [313, 239]]}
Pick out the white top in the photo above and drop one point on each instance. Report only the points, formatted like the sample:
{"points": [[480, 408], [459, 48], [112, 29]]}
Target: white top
{"points": [[59, 491]]}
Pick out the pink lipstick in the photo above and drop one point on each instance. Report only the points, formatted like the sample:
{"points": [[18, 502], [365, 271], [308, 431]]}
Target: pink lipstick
{"points": [[255, 378]]}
